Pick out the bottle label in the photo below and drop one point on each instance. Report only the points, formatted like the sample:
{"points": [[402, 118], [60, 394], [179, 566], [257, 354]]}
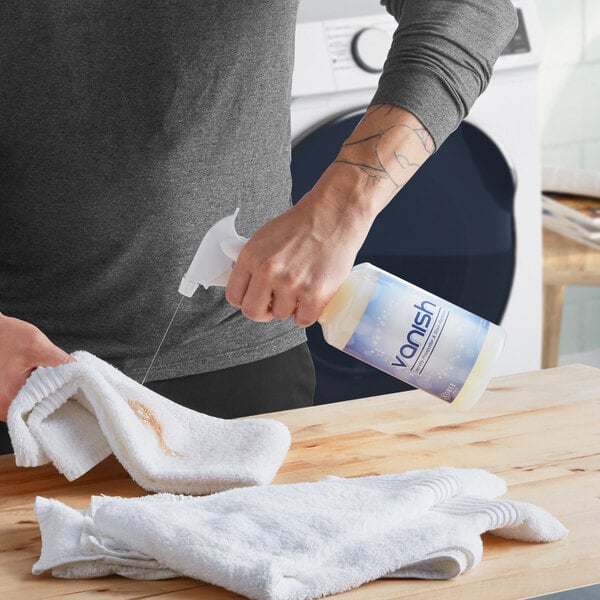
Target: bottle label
{"points": [[417, 337]]}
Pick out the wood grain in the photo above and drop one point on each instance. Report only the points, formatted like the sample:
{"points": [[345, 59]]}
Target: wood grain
{"points": [[540, 431], [566, 262]]}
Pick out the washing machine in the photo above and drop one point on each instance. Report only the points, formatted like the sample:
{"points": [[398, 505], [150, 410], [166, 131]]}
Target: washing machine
{"points": [[467, 226]]}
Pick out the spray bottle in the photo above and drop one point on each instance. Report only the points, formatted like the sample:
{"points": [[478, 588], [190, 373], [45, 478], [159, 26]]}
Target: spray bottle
{"points": [[384, 321]]}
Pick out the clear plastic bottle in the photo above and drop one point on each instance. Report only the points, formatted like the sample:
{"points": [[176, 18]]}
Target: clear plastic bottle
{"points": [[413, 335]]}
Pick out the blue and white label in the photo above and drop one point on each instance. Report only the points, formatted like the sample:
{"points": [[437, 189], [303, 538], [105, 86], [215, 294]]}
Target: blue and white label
{"points": [[417, 337]]}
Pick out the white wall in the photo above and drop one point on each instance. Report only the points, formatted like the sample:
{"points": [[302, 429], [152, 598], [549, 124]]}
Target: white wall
{"points": [[570, 83], [570, 126]]}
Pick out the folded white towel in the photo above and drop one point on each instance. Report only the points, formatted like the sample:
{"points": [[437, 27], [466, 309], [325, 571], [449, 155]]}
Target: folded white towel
{"points": [[76, 414], [295, 541]]}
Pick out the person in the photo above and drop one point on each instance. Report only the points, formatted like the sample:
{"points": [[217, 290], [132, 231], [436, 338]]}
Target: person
{"points": [[128, 129]]}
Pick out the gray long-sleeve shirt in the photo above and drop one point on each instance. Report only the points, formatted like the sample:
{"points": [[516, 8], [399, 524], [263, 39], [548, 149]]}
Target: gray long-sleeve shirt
{"points": [[128, 128], [442, 57]]}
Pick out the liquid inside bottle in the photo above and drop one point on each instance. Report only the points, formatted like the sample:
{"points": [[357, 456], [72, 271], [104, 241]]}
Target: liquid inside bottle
{"points": [[413, 335]]}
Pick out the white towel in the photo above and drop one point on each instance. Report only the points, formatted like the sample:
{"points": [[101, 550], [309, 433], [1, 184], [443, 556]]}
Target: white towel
{"points": [[295, 541], [76, 414]]}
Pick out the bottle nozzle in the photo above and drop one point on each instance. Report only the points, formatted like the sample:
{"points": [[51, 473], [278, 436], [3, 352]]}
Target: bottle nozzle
{"points": [[214, 258]]}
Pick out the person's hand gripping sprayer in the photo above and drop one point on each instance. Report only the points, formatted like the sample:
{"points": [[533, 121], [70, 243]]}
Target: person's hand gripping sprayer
{"points": [[382, 320]]}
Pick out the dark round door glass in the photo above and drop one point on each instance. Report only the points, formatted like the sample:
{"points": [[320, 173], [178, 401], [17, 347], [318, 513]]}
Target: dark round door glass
{"points": [[450, 230]]}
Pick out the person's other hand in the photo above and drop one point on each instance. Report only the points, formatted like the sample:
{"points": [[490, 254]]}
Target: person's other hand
{"points": [[294, 264], [23, 347]]}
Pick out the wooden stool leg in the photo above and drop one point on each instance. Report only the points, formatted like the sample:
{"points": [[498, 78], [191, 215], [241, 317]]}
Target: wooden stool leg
{"points": [[553, 306]]}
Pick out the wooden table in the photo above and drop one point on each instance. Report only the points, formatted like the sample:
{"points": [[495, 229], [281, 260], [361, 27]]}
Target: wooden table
{"points": [[566, 262], [539, 431]]}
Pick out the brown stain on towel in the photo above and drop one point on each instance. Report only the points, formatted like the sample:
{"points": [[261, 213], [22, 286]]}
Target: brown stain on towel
{"points": [[144, 414]]}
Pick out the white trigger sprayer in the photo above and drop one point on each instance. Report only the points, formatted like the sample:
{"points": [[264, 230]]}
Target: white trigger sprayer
{"points": [[214, 258], [382, 320], [210, 266]]}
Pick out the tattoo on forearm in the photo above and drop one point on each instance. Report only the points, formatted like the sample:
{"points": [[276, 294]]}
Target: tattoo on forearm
{"points": [[376, 171], [426, 140], [376, 156]]}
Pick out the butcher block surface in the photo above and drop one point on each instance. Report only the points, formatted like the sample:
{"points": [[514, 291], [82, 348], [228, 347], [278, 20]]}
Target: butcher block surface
{"points": [[540, 431]]}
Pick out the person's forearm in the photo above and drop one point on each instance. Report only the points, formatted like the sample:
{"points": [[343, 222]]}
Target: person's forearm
{"points": [[294, 264], [385, 150]]}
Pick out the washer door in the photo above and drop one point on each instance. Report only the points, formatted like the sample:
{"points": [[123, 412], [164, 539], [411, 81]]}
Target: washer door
{"points": [[450, 230]]}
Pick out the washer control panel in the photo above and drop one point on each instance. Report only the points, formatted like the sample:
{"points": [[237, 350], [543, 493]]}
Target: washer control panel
{"points": [[360, 43], [370, 47], [341, 54], [520, 41]]}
